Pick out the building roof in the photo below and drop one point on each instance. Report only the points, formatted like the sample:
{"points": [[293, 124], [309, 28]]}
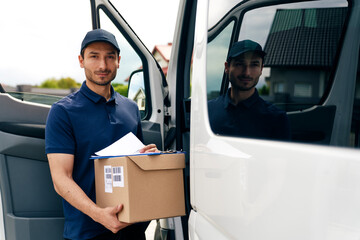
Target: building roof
{"points": [[164, 50], [304, 37]]}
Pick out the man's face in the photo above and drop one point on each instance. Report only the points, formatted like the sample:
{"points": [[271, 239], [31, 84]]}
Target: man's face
{"points": [[244, 71], [100, 62]]}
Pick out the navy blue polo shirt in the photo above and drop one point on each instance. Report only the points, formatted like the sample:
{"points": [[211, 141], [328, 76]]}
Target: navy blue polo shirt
{"points": [[82, 124], [252, 118]]}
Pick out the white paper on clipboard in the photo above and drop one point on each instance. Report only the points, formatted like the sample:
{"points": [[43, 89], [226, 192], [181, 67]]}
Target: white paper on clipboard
{"points": [[127, 145]]}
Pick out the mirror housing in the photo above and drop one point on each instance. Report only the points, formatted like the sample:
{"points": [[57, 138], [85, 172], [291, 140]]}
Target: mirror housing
{"points": [[136, 91]]}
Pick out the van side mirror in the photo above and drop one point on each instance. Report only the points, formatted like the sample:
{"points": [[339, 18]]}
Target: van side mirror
{"points": [[136, 90]]}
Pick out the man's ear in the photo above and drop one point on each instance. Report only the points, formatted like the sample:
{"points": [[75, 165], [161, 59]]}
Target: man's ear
{"points": [[119, 62], [227, 65], [81, 61]]}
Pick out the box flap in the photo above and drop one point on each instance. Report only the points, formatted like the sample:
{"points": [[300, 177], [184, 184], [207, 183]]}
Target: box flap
{"points": [[159, 161]]}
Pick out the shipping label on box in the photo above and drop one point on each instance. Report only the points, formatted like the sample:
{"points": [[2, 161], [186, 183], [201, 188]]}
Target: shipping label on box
{"points": [[148, 186]]}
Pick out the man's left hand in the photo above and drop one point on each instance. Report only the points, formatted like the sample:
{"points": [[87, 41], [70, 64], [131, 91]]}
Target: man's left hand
{"points": [[149, 148]]}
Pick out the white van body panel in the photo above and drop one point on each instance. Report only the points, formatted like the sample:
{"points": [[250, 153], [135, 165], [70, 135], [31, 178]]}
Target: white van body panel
{"points": [[257, 189]]}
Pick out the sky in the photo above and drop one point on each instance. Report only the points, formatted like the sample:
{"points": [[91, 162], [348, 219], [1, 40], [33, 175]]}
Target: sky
{"points": [[40, 39]]}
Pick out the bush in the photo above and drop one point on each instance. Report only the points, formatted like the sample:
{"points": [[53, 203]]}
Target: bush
{"points": [[120, 88], [264, 90], [66, 83], [63, 83], [50, 83]]}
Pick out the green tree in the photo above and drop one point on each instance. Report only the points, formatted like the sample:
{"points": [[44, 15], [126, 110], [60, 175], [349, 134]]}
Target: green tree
{"points": [[66, 83], [63, 83], [120, 88], [264, 90], [50, 83]]}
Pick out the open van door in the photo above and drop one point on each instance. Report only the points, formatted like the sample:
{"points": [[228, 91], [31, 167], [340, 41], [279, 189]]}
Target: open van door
{"points": [[31, 209]]}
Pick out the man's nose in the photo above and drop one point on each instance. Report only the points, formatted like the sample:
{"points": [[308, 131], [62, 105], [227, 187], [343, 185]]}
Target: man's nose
{"points": [[102, 63], [246, 70]]}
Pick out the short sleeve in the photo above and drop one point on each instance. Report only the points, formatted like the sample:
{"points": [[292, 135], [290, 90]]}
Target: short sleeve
{"points": [[59, 137]]}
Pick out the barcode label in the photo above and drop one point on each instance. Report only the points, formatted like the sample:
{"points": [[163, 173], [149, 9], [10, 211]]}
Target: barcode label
{"points": [[108, 179], [118, 176]]}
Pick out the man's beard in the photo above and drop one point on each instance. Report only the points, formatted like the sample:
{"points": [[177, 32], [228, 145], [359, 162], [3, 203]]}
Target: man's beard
{"points": [[89, 76], [238, 87]]}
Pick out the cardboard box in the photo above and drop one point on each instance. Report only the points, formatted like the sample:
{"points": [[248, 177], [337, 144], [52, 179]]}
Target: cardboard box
{"points": [[148, 186]]}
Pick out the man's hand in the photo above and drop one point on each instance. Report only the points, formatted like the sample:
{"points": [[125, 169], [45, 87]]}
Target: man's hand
{"points": [[149, 148], [108, 218]]}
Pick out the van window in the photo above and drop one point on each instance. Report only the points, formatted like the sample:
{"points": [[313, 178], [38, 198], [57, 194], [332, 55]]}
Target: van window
{"points": [[302, 42], [130, 63], [133, 73]]}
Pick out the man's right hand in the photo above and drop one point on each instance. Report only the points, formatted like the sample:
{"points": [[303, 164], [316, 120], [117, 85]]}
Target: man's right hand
{"points": [[108, 218]]}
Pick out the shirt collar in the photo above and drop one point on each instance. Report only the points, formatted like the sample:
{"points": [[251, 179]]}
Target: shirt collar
{"points": [[96, 98], [246, 103]]}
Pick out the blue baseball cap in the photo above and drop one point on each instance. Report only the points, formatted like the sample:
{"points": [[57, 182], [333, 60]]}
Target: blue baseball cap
{"points": [[244, 46], [99, 35]]}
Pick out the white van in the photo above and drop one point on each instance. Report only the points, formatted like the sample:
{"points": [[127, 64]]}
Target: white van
{"points": [[236, 187]]}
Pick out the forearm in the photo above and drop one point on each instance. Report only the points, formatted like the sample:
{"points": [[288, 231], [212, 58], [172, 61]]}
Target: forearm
{"points": [[68, 189], [61, 168]]}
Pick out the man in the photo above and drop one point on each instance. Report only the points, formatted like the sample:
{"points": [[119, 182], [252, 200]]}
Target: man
{"points": [[81, 124], [241, 112]]}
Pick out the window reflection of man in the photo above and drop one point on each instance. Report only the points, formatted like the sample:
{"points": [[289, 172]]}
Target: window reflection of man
{"points": [[241, 111]]}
